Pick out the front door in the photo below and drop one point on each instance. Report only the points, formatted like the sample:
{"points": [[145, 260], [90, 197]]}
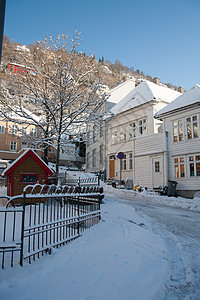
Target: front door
{"points": [[112, 168], [157, 172]]}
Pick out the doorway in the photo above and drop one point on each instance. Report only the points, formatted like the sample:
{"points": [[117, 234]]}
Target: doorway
{"points": [[112, 167], [157, 172]]}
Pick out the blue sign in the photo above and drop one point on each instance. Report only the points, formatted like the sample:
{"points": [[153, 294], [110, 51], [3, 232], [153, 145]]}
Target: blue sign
{"points": [[120, 155]]}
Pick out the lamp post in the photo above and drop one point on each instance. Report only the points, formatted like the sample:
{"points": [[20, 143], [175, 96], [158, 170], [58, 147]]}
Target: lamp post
{"points": [[2, 17]]}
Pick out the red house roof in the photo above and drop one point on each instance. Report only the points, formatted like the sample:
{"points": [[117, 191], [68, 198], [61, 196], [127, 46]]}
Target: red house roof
{"points": [[23, 157]]}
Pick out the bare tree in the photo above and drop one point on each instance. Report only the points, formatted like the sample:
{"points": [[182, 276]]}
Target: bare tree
{"points": [[57, 83]]}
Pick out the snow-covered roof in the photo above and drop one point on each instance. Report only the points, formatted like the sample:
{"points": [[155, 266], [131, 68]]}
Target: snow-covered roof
{"points": [[28, 115], [191, 97], [24, 155], [146, 91], [121, 90]]}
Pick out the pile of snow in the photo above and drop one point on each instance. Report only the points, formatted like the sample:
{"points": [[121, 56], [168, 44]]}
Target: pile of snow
{"points": [[177, 202]]}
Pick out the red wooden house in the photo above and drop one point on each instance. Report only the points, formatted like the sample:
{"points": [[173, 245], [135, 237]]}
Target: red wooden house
{"points": [[27, 169]]}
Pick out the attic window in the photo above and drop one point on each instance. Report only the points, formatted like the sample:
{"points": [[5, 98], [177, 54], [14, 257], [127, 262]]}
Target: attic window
{"points": [[29, 178]]}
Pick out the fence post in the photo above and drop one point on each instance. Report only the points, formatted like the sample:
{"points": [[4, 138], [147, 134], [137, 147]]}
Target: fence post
{"points": [[99, 206], [22, 230], [78, 216]]}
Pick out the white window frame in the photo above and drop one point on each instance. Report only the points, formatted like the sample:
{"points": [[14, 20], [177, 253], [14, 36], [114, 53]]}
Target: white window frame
{"points": [[94, 134], [142, 126], [123, 135], [192, 122], [101, 129], [14, 129], [124, 163], [196, 163], [177, 131], [2, 129], [88, 160], [101, 154], [114, 137], [178, 162], [33, 132], [94, 157], [130, 158], [13, 146], [131, 130], [24, 145]]}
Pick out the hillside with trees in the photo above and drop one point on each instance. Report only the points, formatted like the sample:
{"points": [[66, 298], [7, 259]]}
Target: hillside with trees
{"points": [[110, 74]]}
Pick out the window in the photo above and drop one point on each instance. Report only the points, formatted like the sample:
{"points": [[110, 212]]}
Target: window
{"points": [[179, 167], [177, 130], [88, 137], [29, 178], [24, 145], [13, 146], [24, 130], [101, 129], [131, 130], [88, 160], [2, 129], [94, 134], [142, 127], [122, 135], [114, 137], [33, 132], [192, 127], [194, 165], [157, 166], [101, 154], [130, 161], [14, 129], [123, 162], [94, 154]]}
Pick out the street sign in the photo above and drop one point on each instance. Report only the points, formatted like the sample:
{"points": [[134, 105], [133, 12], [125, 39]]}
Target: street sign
{"points": [[120, 155]]}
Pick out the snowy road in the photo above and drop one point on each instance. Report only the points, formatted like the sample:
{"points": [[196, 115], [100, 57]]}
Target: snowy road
{"points": [[180, 230]]}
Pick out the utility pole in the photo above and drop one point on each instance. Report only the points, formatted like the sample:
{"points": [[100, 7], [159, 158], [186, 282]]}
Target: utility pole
{"points": [[2, 18]]}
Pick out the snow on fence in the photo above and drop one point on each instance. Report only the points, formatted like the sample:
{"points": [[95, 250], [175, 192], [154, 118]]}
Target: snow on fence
{"points": [[46, 217], [85, 181]]}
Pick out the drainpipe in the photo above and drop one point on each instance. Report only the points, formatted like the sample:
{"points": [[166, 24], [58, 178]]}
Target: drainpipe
{"points": [[166, 151], [133, 160], [105, 147]]}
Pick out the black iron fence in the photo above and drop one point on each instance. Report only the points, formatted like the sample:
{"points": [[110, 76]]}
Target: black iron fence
{"points": [[45, 217]]}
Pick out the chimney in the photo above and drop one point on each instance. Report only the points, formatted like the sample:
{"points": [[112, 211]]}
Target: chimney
{"points": [[181, 89], [156, 80]]}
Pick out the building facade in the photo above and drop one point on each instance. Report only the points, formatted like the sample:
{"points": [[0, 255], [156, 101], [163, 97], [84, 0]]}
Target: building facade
{"points": [[182, 124], [131, 131]]}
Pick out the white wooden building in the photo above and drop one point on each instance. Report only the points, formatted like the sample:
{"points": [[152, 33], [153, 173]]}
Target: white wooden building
{"points": [[136, 133], [96, 159], [182, 125]]}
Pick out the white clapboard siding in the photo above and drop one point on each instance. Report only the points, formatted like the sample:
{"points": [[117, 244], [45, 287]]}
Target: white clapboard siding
{"points": [[184, 148], [148, 144], [146, 148]]}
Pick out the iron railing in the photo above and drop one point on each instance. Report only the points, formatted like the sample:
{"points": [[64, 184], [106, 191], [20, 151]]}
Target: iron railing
{"points": [[45, 217], [84, 181]]}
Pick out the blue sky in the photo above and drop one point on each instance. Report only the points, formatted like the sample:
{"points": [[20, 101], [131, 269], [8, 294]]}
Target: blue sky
{"points": [[159, 37]]}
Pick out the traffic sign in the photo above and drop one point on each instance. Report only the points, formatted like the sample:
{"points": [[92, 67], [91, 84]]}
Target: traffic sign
{"points": [[120, 155]]}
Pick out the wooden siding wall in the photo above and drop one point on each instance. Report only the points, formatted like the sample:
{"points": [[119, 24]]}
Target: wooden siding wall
{"points": [[145, 149], [183, 148], [152, 143]]}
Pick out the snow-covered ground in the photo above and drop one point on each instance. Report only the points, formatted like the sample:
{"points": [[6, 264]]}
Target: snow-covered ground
{"points": [[120, 258]]}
